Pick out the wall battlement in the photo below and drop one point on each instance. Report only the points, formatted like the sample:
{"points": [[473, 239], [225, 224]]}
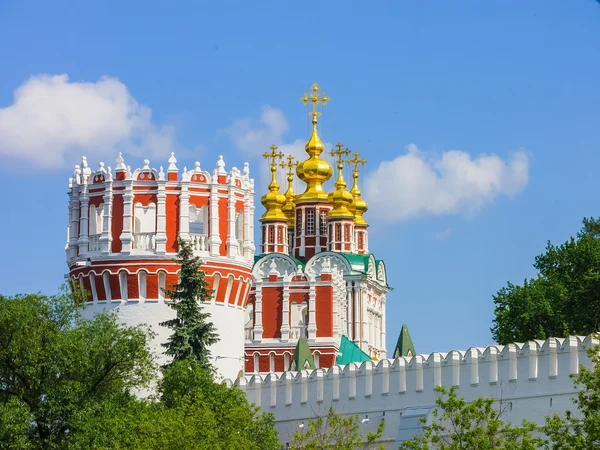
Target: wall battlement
{"points": [[535, 374]]}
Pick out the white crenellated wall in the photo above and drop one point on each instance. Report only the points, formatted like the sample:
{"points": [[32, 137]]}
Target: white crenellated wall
{"points": [[532, 380]]}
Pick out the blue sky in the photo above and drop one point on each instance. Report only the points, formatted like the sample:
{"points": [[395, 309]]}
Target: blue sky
{"points": [[480, 122]]}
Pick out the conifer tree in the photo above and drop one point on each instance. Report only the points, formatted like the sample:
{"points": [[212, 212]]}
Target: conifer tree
{"points": [[193, 333]]}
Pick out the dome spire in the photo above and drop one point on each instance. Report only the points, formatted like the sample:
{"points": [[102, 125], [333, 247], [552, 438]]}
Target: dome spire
{"points": [[290, 207], [358, 206], [273, 201], [314, 171], [340, 199]]}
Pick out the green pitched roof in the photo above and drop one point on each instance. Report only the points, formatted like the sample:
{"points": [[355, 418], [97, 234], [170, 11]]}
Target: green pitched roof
{"points": [[350, 352], [405, 346], [302, 358]]}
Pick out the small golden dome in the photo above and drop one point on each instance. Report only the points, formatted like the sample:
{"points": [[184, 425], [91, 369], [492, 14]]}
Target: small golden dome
{"points": [[273, 201], [340, 198], [358, 206], [314, 171], [289, 209]]}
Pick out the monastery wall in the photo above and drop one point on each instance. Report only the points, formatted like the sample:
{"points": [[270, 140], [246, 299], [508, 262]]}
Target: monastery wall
{"points": [[530, 381]]}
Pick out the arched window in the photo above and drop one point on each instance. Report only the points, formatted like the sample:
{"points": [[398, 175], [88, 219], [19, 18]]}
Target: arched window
{"points": [[198, 219], [144, 226], [323, 222], [286, 361], [239, 226], [216, 282], [256, 362], [317, 358], [142, 284], [162, 284], [106, 280], [310, 222], [298, 222], [271, 362], [123, 284]]}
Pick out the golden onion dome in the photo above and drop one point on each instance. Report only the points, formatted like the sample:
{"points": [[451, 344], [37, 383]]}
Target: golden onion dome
{"points": [[273, 201], [358, 206], [314, 171], [340, 198], [289, 209]]}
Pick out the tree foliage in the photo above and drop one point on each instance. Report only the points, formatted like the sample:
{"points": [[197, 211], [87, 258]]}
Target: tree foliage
{"points": [[458, 425], [563, 300], [193, 333], [335, 432], [54, 364], [579, 431]]}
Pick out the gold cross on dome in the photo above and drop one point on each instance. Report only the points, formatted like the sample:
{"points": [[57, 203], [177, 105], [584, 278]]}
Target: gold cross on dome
{"points": [[355, 162], [273, 155], [290, 164], [314, 98], [339, 152]]}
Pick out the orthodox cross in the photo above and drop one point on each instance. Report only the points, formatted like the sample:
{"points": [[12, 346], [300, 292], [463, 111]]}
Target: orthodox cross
{"points": [[339, 152], [314, 98], [290, 165], [273, 155], [355, 162]]}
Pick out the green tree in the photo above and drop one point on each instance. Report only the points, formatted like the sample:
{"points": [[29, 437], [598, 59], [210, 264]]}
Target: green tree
{"points": [[335, 432], [458, 425], [564, 299], [55, 364], [193, 334], [579, 431]]}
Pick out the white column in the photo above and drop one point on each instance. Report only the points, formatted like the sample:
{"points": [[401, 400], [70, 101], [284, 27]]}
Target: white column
{"points": [[312, 304], [74, 225], [258, 328], [215, 238], [126, 236], [285, 312], [106, 237], [349, 315], [161, 218], [247, 252], [232, 242], [83, 242], [357, 312], [383, 328], [365, 318], [184, 212]]}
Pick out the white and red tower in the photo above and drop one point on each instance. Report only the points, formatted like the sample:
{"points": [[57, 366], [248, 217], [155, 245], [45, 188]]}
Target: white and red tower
{"points": [[123, 237], [325, 285]]}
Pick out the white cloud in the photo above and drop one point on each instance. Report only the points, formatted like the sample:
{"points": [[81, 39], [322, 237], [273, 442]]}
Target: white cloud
{"points": [[51, 118], [415, 185], [254, 138]]}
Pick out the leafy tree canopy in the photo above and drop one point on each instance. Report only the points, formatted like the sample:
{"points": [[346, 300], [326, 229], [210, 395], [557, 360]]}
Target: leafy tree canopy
{"points": [[563, 300], [458, 425], [335, 432], [579, 431], [193, 333], [54, 364]]}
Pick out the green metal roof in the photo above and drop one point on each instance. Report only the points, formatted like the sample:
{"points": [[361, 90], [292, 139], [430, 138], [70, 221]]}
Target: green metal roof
{"points": [[350, 352], [302, 358], [405, 346]]}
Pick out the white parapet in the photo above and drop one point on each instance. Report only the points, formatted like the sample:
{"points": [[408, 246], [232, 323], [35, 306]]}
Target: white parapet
{"points": [[529, 381]]}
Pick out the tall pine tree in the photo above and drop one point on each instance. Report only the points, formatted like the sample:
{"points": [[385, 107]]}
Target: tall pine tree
{"points": [[193, 333]]}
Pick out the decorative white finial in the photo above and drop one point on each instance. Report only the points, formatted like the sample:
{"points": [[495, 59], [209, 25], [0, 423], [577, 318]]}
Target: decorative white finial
{"points": [[221, 166], [300, 271], [246, 168], [86, 172], [161, 174], [77, 174], [146, 164], [273, 268], [172, 161], [110, 175], [101, 167], [120, 163], [197, 168], [326, 267], [128, 172]]}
